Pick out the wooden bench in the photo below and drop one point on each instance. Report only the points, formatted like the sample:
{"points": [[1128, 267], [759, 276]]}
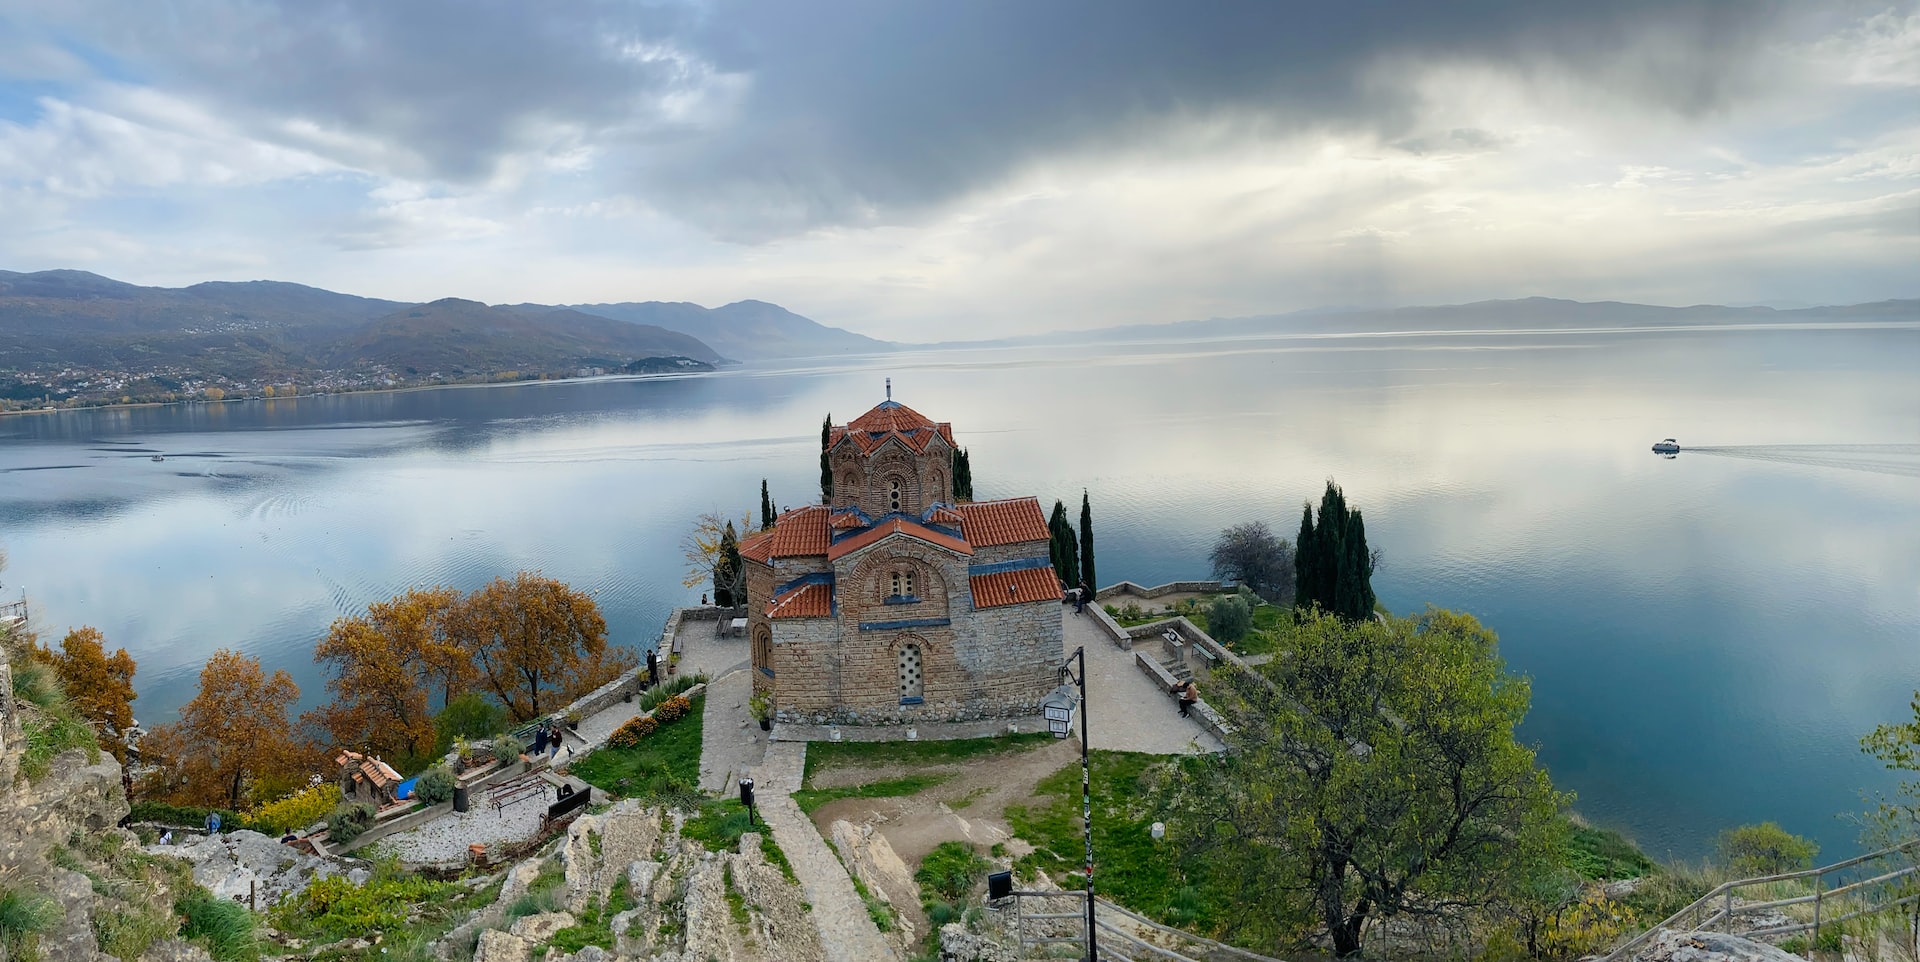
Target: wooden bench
{"points": [[1213, 660]]}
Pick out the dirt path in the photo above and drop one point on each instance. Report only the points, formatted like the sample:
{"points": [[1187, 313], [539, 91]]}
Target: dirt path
{"points": [[971, 806]]}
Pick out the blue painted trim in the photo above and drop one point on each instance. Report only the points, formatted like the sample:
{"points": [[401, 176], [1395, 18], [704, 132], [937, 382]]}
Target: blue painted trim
{"points": [[816, 578], [900, 600], [998, 567], [913, 701], [905, 623]]}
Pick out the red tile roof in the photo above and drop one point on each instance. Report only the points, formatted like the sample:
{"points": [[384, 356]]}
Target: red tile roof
{"points": [[1027, 585], [846, 520], [897, 526], [800, 533], [806, 601], [756, 546], [945, 515], [891, 419], [987, 523]]}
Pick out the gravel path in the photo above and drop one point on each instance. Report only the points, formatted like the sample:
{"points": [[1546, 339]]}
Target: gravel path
{"points": [[730, 742], [846, 929], [445, 839]]}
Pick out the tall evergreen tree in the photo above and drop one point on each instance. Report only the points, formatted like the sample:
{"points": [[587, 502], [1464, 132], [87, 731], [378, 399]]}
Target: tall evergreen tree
{"points": [[1334, 567], [962, 475], [1065, 547], [1086, 541], [826, 465], [729, 571], [766, 506]]}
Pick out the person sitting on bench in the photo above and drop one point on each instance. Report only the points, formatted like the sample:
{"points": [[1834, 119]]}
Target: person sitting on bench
{"points": [[1189, 694]]}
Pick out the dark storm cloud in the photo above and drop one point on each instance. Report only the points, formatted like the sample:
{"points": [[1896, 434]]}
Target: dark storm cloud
{"points": [[758, 118]]}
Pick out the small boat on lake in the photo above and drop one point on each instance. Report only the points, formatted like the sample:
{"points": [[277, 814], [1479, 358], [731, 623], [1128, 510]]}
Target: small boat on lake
{"points": [[159, 457], [1668, 446]]}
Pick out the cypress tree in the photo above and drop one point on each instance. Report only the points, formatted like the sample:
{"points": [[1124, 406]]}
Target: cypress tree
{"points": [[962, 475], [1306, 560], [826, 465], [1333, 568], [726, 569], [1086, 541], [1064, 546], [766, 507]]}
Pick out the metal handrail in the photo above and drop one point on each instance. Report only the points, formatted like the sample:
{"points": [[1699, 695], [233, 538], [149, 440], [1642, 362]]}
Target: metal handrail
{"points": [[1725, 891]]}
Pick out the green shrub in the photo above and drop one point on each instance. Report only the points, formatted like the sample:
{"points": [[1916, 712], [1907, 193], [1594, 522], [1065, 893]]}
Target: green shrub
{"points": [[1765, 849], [24, 914], [294, 812], [505, 749], [333, 907], [667, 689], [1229, 618], [469, 715], [225, 929], [436, 785], [185, 816], [1599, 854], [348, 822], [950, 872], [129, 933]]}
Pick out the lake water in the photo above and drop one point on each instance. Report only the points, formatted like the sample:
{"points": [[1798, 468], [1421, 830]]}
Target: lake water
{"points": [[1708, 636]]}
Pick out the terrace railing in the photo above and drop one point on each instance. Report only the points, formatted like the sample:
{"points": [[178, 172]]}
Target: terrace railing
{"points": [[1839, 894]]}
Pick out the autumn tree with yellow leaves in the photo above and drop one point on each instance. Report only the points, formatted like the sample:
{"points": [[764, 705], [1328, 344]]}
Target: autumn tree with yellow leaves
{"points": [[232, 740], [536, 643], [99, 686], [383, 670]]}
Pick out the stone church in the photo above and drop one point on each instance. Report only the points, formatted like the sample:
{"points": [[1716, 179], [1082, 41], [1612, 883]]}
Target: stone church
{"points": [[893, 604]]}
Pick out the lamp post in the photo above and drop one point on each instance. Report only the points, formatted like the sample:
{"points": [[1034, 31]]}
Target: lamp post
{"points": [[1058, 707]]}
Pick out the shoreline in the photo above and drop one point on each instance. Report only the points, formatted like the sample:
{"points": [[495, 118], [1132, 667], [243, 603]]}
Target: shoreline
{"points": [[130, 405]]}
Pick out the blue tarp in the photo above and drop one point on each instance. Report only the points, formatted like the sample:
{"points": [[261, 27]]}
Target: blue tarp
{"points": [[406, 789]]}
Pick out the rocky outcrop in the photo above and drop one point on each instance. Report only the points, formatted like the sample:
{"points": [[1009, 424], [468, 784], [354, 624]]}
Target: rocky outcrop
{"points": [[680, 902], [959, 945], [251, 868], [1670, 946]]}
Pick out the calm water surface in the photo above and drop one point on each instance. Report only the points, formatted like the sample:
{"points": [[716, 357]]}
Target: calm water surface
{"points": [[1707, 636]]}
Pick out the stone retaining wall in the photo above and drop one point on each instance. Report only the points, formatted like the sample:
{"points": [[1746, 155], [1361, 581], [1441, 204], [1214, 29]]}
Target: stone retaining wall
{"points": [[1209, 719], [1158, 591]]}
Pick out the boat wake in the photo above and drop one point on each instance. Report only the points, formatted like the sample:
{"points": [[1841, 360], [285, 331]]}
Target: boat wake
{"points": [[1898, 460]]}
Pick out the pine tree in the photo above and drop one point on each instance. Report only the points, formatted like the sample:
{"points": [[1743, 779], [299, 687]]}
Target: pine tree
{"points": [[826, 465], [1064, 548], [766, 506], [1086, 542]]}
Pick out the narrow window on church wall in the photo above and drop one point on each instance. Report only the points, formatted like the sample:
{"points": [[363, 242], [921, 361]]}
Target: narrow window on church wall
{"points": [[893, 495], [912, 687]]}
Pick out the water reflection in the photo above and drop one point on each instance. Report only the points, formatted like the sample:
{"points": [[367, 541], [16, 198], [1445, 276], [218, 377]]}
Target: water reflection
{"points": [[1707, 637]]}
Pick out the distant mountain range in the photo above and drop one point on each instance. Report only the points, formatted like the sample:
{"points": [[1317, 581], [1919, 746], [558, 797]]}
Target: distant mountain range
{"points": [[66, 334]]}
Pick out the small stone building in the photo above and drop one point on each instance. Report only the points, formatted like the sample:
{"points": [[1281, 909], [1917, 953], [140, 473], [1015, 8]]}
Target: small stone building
{"points": [[364, 779], [893, 604]]}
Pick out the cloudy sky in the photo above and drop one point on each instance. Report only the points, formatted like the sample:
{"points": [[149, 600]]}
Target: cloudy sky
{"points": [[923, 169]]}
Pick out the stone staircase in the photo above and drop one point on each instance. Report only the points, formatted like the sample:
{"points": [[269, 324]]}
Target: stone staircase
{"points": [[1173, 656]]}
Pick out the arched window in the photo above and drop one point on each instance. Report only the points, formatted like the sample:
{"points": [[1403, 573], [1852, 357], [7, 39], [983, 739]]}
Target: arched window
{"points": [[911, 686], [940, 492], [902, 584], [893, 495], [762, 652]]}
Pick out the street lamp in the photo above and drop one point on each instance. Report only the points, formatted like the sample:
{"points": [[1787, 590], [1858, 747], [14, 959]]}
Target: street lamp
{"points": [[1059, 719]]}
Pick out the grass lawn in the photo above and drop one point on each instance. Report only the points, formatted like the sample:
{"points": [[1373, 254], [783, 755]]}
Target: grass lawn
{"points": [[822, 756], [1272, 625], [1147, 876], [667, 761], [720, 823], [810, 799]]}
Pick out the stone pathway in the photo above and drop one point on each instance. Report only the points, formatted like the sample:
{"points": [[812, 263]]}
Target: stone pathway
{"points": [[846, 929], [1128, 712], [730, 742]]}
